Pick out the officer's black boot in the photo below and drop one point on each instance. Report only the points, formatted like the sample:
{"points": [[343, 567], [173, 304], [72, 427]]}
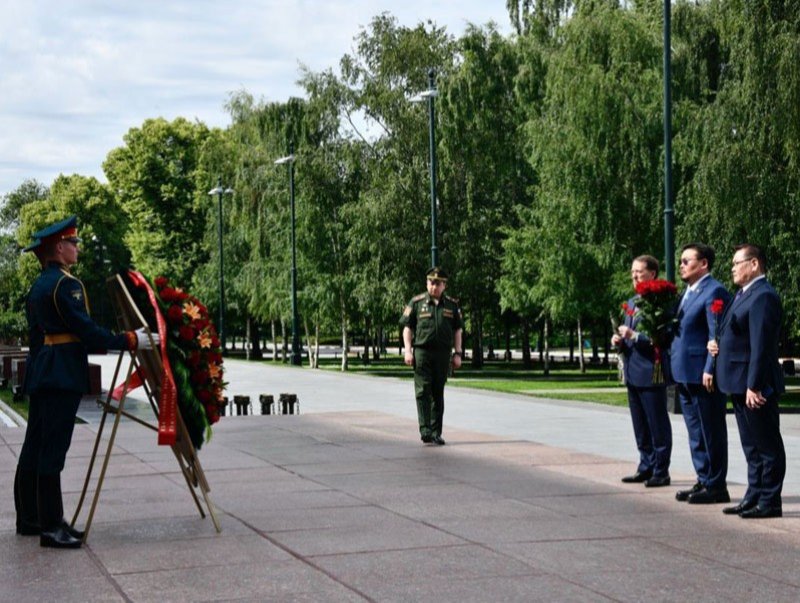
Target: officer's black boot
{"points": [[55, 531], [25, 503]]}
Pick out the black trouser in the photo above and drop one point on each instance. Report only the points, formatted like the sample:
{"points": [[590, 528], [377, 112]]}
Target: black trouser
{"points": [[760, 434], [430, 375], [51, 421]]}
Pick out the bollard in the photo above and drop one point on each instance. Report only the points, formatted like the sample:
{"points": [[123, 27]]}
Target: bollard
{"points": [[288, 403], [223, 411], [242, 404], [267, 404]]}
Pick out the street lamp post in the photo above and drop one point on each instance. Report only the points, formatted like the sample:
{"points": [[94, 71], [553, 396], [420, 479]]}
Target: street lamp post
{"points": [[296, 358], [669, 211], [430, 94], [219, 191]]}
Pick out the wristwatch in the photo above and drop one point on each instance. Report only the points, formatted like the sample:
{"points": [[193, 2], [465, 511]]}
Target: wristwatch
{"points": [[458, 354]]}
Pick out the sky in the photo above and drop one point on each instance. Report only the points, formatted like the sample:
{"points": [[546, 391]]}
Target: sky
{"points": [[76, 75]]}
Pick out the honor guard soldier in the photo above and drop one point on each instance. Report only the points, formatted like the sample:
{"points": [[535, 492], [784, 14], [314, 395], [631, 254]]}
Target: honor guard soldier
{"points": [[432, 328], [61, 334]]}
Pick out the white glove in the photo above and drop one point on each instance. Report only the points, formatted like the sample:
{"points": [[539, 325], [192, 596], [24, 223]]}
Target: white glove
{"points": [[143, 340]]}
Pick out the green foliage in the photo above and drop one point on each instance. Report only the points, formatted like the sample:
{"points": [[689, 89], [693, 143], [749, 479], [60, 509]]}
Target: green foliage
{"points": [[153, 178]]}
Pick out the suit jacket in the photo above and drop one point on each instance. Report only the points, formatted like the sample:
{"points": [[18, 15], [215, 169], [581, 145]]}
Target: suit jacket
{"points": [[57, 305], [689, 358], [640, 354], [748, 343]]}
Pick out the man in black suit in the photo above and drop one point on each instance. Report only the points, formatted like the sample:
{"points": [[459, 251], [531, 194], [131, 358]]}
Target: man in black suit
{"points": [[748, 369]]}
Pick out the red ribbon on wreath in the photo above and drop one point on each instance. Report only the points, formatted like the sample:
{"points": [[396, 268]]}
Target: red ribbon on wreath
{"points": [[168, 397]]}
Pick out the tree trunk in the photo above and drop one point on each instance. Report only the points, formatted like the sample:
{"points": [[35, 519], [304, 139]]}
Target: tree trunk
{"points": [[507, 355], [274, 341], [477, 339], [540, 342], [345, 344], [546, 345], [572, 345], [367, 326], [285, 346], [254, 352], [581, 359], [606, 339], [526, 344], [312, 349]]}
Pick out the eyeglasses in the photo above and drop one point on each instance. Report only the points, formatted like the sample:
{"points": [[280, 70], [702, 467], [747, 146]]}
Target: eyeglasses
{"points": [[687, 261], [743, 260]]}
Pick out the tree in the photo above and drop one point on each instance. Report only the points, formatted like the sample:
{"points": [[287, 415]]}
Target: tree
{"points": [[153, 177], [101, 226]]}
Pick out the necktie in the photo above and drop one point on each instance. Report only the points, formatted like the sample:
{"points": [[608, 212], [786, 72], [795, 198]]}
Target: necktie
{"points": [[684, 299]]}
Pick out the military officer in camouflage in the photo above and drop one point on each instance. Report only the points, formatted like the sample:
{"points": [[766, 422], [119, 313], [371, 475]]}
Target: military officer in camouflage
{"points": [[61, 334], [431, 330]]}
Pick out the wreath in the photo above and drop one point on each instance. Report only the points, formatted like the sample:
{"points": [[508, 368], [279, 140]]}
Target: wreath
{"points": [[195, 354]]}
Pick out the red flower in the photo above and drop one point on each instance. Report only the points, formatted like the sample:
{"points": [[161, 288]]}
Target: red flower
{"points": [[656, 287], [169, 295], [186, 333], [717, 306], [200, 377], [175, 314], [205, 397], [627, 309], [161, 282]]}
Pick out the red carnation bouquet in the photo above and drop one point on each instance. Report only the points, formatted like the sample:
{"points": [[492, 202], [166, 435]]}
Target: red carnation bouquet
{"points": [[656, 310], [717, 307], [195, 354]]}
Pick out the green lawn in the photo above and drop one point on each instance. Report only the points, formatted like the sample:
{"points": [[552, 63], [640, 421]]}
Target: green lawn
{"points": [[514, 378], [7, 397]]}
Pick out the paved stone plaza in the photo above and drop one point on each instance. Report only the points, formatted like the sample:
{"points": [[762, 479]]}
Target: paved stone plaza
{"points": [[343, 503]]}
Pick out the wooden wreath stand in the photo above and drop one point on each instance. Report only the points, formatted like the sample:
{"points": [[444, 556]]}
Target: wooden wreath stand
{"points": [[149, 364]]}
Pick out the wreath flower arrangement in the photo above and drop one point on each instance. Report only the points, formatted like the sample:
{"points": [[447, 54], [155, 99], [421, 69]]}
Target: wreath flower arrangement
{"points": [[195, 353]]}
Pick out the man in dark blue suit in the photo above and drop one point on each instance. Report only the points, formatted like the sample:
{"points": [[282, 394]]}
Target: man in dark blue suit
{"points": [[702, 404], [61, 333], [647, 400], [749, 370]]}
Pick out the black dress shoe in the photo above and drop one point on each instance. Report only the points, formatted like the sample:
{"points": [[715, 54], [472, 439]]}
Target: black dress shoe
{"points": [[657, 482], [26, 528], [438, 440], [684, 494], [745, 505], [709, 497], [59, 538], [427, 439], [638, 477], [72, 531], [761, 513]]}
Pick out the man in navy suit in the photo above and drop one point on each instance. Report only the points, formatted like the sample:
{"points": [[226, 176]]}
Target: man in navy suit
{"points": [[702, 404], [647, 400], [748, 369]]}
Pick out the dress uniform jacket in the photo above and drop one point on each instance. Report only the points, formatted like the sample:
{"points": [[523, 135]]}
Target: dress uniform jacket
{"points": [[62, 334]]}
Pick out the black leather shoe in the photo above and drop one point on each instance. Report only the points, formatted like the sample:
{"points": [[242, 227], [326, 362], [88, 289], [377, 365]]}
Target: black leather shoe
{"points": [[709, 497], [761, 513], [657, 482], [59, 539], [685, 494], [26, 528], [638, 477], [745, 505], [72, 531], [438, 440], [426, 439]]}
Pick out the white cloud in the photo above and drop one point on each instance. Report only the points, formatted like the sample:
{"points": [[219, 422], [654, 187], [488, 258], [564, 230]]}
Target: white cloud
{"points": [[77, 75]]}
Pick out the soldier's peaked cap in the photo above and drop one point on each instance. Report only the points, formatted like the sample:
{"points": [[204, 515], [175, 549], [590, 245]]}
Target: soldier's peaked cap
{"points": [[64, 229], [437, 274]]}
